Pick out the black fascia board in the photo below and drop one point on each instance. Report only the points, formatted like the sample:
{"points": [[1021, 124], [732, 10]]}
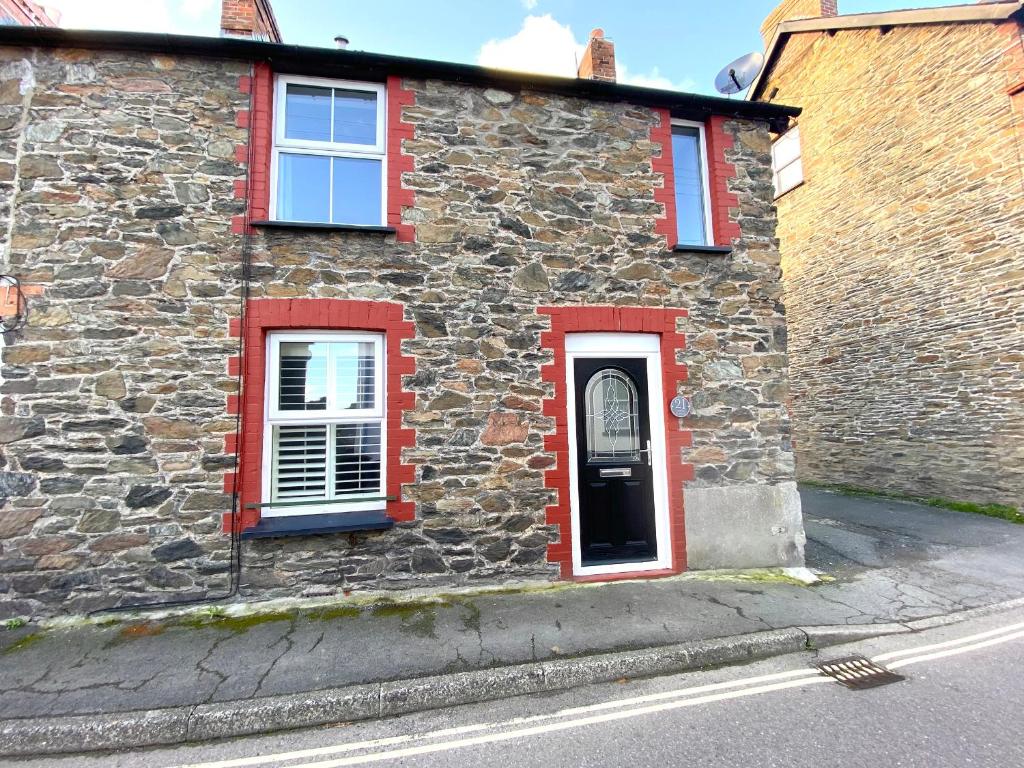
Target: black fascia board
{"points": [[360, 65]]}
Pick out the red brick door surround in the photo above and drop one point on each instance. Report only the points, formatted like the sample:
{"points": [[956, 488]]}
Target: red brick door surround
{"points": [[654, 320]]}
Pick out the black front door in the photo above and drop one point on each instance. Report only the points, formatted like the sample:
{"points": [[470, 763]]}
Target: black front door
{"points": [[613, 450]]}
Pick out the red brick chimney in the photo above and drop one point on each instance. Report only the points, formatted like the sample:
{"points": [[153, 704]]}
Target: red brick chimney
{"points": [[788, 10], [25, 13], [249, 18], [598, 61]]}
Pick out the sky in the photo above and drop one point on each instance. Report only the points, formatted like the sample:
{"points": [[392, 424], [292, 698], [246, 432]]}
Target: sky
{"points": [[674, 44]]}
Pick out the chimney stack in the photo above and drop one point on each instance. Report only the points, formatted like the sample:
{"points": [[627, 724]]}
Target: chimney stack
{"points": [[598, 61], [25, 13], [249, 18], [790, 10]]}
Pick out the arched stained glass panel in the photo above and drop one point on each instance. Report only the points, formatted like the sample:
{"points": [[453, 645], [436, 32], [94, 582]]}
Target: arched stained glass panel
{"points": [[613, 430]]}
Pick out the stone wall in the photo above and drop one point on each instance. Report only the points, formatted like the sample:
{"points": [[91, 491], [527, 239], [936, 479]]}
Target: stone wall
{"points": [[902, 257], [115, 452], [118, 185]]}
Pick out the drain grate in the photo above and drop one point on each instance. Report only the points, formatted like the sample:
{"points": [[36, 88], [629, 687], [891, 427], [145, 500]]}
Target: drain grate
{"points": [[858, 672]]}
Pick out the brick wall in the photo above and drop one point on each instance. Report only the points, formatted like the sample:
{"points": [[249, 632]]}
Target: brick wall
{"points": [[902, 256], [598, 60], [796, 9], [249, 18]]}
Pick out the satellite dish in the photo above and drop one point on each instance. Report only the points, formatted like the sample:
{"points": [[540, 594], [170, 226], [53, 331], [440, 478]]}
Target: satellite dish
{"points": [[739, 74]]}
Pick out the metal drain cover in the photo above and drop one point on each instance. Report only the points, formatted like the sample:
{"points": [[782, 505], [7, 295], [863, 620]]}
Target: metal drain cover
{"points": [[858, 672]]}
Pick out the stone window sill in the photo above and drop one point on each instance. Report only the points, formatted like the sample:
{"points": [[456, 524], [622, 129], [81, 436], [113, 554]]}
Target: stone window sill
{"points": [[708, 249], [328, 227], [313, 525], [795, 186]]}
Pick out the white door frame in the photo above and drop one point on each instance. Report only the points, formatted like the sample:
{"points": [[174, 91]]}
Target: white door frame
{"points": [[643, 346]]}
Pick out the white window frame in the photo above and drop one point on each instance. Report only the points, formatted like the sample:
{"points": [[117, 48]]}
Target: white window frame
{"points": [[377, 151], [274, 417], [709, 232], [793, 134]]}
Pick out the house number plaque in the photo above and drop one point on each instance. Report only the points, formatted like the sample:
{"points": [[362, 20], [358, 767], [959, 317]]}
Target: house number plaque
{"points": [[680, 406]]}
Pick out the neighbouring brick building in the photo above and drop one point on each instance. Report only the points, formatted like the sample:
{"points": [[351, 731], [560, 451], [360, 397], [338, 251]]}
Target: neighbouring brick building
{"points": [[363, 321], [901, 222]]}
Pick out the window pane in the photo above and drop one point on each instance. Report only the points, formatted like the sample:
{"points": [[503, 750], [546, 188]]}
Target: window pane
{"points": [[357, 458], [355, 117], [686, 160], [357, 191], [303, 187], [354, 374], [789, 177], [786, 149], [307, 113], [303, 385], [612, 426], [300, 463]]}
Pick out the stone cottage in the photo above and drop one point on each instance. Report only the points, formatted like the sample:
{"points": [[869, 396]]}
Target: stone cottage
{"points": [[901, 222], [314, 320]]}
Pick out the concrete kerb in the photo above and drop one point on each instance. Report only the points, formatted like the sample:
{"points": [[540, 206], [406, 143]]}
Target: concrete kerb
{"points": [[84, 733], [161, 727]]}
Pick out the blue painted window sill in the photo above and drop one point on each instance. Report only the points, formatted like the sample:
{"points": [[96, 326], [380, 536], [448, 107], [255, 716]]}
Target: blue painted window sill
{"points": [[328, 227], [709, 249], [313, 525]]}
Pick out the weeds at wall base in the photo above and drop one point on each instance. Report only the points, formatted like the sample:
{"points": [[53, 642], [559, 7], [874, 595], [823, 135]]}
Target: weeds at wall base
{"points": [[1001, 511]]}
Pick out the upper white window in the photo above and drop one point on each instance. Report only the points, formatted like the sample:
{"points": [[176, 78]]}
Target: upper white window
{"points": [[329, 153], [324, 433], [690, 168], [787, 168]]}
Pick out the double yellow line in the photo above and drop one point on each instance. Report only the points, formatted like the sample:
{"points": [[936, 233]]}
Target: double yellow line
{"points": [[412, 745]]}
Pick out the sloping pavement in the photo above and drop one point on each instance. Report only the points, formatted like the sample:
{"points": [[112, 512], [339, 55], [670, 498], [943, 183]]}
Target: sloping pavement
{"points": [[891, 562]]}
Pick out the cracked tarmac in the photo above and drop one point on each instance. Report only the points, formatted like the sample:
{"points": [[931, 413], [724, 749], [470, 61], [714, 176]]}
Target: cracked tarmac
{"points": [[892, 561]]}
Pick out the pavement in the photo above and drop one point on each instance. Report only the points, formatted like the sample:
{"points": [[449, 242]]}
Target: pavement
{"points": [[960, 708], [202, 676]]}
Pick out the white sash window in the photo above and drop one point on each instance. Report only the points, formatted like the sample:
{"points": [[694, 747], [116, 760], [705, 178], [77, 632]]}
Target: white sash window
{"points": [[787, 166], [692, 192], [329, 152], [324, 437]]}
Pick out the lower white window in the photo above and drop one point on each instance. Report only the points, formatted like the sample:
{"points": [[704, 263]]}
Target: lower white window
{"points": [[324, 436]]}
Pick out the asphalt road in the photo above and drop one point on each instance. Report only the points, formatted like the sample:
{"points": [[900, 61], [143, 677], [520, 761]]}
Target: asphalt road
{"points": [[959, 706]]}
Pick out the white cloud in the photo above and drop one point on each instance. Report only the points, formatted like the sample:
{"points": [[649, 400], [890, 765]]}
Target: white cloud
{"points": [[547, 47], [194, 17], [654, 79], [542, 45]]}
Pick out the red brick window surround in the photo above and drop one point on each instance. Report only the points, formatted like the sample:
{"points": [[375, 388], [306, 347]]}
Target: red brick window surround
{"points": [[724, 228], [265, 315], [258, 153], [656, 320]]}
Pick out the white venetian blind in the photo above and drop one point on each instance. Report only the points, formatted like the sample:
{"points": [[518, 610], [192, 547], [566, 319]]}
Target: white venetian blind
{"points": [[300, 462]]}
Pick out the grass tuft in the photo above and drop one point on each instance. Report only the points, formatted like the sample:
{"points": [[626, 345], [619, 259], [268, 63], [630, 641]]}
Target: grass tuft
{"points": [[1001, 511], [24, 643], [217, 618]]}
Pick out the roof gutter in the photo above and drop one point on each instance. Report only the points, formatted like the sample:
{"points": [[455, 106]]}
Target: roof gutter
{"points": [[951, 14], [332, 62]]}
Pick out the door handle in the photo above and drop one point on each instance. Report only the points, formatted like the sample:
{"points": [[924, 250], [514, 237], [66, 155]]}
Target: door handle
{"points": [[647, 450]]}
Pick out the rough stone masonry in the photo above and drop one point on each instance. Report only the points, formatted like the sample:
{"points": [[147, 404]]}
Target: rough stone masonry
{"points": [[118, 173], [903, 255]]}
